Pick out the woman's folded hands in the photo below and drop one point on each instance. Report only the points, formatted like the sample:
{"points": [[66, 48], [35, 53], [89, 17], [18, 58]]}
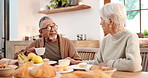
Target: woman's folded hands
{"points": [[72, 61]]}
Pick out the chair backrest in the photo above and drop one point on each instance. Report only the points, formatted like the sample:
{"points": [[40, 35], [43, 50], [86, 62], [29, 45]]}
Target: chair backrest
{"points": [[144, 46], [144, 56], [87, 54]]}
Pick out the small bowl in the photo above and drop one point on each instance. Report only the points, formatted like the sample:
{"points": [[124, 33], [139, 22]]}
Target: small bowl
{"points": [[40, 51], [110, 71], [5, 72]]}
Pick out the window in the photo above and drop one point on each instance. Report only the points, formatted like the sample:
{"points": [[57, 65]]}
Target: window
{"points": [[137, 14]]}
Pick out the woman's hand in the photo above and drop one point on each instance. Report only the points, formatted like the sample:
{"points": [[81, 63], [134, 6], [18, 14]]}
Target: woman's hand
{"points": [[72, 61], [103, 64]]}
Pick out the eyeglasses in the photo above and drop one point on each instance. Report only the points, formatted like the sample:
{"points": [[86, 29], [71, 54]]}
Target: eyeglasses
{"points": [[55, 27]]}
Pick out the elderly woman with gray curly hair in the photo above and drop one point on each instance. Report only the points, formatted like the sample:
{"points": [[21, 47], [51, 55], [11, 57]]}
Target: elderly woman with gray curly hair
{"points": [[120, 47]]}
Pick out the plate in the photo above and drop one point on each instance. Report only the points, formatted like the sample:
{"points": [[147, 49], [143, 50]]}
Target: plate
{"points": [[67, 71], [77, 67], [11, 67], [108, 70], [52, 62], [58, 75], [38, 64]]}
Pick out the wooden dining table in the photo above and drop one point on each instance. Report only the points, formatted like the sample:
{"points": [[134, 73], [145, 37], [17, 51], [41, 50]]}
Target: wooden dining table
{"points": [[119, 74]]}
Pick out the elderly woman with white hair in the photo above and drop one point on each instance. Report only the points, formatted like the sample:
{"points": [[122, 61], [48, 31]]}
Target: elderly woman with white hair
{"points": [[120, 47]]}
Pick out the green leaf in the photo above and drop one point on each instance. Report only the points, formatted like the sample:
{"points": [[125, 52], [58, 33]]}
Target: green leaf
{"points": [[68, 1], [63, 3], [57, 3], [53, 1], [50, 1], [53, 6], [145, 32]]}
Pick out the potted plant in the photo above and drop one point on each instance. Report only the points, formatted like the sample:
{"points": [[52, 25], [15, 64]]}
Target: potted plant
{"points": [[59, 3], [145, 33]]}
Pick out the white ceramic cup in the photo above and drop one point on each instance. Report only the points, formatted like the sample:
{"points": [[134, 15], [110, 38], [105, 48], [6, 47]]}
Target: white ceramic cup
{"points": [[40, 51]]}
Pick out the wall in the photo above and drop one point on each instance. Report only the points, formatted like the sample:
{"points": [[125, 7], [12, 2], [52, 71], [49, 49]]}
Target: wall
{"points": [[70, 23], [13, 19], [28, 17], [1, 22]]}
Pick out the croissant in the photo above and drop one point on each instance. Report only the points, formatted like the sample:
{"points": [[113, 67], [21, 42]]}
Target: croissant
{"points": [[23, 71], [43, 71]]}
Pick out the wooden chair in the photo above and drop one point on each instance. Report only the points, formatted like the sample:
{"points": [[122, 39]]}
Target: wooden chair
{"points": [[144, 56], [143, 45], [87, 54]]}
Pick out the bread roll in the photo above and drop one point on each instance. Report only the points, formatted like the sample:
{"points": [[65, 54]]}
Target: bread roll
{"points": [[95, 67]]}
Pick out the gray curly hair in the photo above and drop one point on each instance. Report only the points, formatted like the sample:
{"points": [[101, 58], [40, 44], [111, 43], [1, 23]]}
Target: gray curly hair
{"points": [[116, 11]]}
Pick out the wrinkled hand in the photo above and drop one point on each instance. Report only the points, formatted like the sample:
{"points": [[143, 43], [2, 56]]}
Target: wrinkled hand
{"points": [[13, 62], [31, 50], [72, 61], [4, 61], [103, 64]]}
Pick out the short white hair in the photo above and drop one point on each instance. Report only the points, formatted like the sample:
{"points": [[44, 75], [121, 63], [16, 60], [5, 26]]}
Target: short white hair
{"points": [[116, 11], [43, 19]]}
